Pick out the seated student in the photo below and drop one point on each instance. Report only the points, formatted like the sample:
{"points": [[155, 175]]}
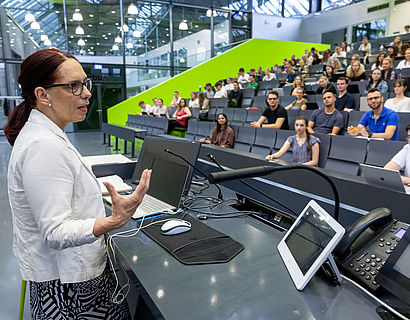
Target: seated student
{"points": [[379, 61], [339, 54], [355, 57], [403, 49], [175, 99], [260, 72], [291, 76], [330, 73], [325, 85], [303, 69], [344, 100], [220, 91], [203, 104], [235, 96], [327, 120], [305, 147], [252, 72], [229, 84], [337, 67], [222, 135], [209, 93], [382, 122], [366, 48], [276, 114], [400, 103], [243, 78], [355, 73], [300, 102], [194, 102], [405, 63], [396, 42], [160, 109], [345, 47], [180, 116], [252, 83], [388, 72], [298, 83], [393, 52], [401, 161], [268, 75], [376, 81], [145, 108]]}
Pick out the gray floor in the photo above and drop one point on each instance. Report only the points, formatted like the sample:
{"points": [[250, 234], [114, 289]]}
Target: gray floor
{"points": [[87, 143]]}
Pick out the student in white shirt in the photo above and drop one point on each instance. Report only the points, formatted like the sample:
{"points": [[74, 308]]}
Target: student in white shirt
{"points": [[144, 108], [243, 78], [160, 109], [175, 99], [268, 75], [405, 63], [229, 84], [220, 91], [194, 102], [59, 219], [400, 103], [401, 161]]}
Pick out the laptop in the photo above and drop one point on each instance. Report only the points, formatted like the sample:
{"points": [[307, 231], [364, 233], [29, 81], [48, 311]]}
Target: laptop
{"points": [[170, 177], [385, 178]]}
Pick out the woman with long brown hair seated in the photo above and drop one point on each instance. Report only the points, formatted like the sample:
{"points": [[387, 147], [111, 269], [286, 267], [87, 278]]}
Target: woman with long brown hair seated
{"points": [[222, 135], [356, 73], [180, 116]]}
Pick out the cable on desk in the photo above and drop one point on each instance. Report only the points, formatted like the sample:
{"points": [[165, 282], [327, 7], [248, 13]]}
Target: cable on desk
{"points": [[375, 298]]}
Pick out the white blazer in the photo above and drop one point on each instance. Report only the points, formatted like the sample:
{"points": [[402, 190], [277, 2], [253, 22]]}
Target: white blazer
{"points": [[55, 199]]}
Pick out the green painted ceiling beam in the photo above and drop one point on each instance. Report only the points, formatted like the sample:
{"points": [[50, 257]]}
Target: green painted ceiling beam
{"points": [[251, 54]]}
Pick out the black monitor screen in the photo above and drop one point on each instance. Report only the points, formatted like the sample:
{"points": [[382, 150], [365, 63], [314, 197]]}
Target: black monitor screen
{"points": [[308, 239], [153, 148], [168, 181]]}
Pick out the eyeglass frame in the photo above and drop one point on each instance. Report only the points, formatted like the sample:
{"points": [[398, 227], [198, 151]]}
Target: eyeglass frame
{"points": [[68, 84]]}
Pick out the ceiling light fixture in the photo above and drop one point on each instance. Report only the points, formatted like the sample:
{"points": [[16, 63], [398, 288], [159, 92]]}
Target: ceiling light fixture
{"points": [[125, 28], [115, 47], [29, 17], [136, 34], [47, 43], [35, 25], [79, 30], [183, 25], [130, 45], [118, 39], [77, 16], [81, 42], [210, 12], [43, 37], [132, 9]]}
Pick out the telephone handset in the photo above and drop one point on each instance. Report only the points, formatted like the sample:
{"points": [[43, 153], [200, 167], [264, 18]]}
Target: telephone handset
{"points": [[367, 244]]}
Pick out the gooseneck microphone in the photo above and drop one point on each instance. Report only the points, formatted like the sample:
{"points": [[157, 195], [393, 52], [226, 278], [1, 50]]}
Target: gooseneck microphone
{"points": [[220, 197], [291, 212], [258, 171]]}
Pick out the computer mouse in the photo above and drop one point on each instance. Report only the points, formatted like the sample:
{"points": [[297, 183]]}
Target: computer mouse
{"points": [[175, 226]]}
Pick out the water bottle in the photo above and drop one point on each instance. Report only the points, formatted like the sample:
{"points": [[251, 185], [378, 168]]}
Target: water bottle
{"points": [[381, 48]]}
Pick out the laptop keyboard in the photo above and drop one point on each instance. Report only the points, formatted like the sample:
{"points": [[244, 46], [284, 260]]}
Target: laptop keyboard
{"points": [[150, 205]]}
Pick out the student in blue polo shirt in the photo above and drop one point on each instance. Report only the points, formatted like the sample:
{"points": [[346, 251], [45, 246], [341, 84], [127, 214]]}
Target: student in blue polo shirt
{"points": [[381, 121]]}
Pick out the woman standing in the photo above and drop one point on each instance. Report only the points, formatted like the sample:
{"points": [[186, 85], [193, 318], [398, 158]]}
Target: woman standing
{"points": [[180, 116], [305, 147], [58, 213], [377, 82], [222, 135]]}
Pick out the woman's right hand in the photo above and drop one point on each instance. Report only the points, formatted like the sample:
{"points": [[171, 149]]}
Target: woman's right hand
{"points": [[268, 157]]}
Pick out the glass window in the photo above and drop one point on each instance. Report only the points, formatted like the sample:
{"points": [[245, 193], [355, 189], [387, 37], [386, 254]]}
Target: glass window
{"points": [[141, 79], [371, 30], [267, 7], [221, 31]]}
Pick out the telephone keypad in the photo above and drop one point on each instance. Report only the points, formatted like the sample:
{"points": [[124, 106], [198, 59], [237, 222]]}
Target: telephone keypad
{"points": [[375, 254]]}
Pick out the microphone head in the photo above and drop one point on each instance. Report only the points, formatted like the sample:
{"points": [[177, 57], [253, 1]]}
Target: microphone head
{"points": [[210, 157], [167, 150]]}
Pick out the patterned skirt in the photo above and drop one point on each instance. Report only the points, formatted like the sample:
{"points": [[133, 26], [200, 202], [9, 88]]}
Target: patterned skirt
{"points": [[90, 299]]}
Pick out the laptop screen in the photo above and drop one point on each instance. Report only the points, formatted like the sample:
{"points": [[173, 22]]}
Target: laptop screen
{"points": [[167, 181]]}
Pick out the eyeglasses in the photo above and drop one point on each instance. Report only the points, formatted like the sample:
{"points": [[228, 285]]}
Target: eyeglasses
{"points": [[75, 86], [374, 98], [272, 99], [408, 137]]}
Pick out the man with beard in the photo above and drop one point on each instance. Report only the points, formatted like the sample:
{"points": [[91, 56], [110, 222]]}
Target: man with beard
{"points": [[381, 122]]}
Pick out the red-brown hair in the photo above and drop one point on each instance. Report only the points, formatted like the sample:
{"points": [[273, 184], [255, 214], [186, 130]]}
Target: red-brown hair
{"points": [[37, 70]]}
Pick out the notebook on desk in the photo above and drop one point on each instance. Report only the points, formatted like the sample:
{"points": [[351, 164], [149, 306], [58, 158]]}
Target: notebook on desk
{"points": [[170, 177], [386, 178]]}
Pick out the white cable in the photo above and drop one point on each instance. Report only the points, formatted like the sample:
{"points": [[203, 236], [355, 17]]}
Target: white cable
{"points": [[375, 298]]}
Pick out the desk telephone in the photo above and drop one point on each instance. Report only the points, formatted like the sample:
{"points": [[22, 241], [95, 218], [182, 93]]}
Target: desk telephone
{"points": [[367, 244]]}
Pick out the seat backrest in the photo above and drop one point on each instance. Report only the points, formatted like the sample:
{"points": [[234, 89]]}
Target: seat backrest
{"points": [[404, 121], [286, 100], [324, 147], [212, 113], [240, 115], [382, 151], [246, 134], [262, 92], [248, 93], [192, 127], [213, 103], [348, 148], [281, 137], [306, 113], [222, 102], [292, 115], [195, 112], [253, 115], [246, 102], [287, 90], [203, 128], [229, 113], [265, 137], [259, 102], [356, 97], [354, 117]]}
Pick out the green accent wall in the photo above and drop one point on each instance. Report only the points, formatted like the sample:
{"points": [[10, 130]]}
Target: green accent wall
{"points": [[250, 54]]}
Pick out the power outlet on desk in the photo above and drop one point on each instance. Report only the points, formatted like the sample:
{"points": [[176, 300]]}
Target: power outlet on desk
{"points": [[271, 216]]}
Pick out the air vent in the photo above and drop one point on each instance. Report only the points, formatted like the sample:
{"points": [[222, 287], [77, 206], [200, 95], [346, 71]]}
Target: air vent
{"points": [[380, 7], [400, 1]]}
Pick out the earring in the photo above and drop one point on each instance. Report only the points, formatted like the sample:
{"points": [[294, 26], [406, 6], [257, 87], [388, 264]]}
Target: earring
{"points": [[49, 104]]}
